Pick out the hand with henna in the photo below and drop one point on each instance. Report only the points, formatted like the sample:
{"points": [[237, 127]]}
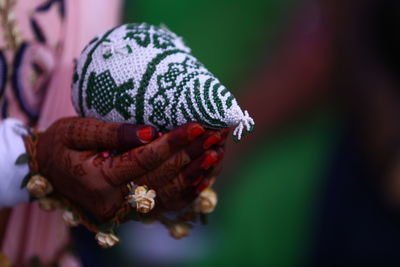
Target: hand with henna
{"points": [[178, 165]]}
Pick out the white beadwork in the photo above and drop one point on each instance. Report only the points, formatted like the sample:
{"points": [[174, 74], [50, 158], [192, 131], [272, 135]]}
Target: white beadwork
{"points": [[140, 73]]}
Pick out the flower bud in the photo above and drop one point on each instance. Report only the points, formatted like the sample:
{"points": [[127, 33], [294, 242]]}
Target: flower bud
{"points": [[70, 219], [48, 204], [206, 201], [39, 186], [145, 205], [142, 199], [179, 230], [106, 240]]}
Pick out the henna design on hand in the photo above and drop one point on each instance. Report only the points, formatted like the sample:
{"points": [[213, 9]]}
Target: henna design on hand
{"points": [[78, 170], [70, 156]]}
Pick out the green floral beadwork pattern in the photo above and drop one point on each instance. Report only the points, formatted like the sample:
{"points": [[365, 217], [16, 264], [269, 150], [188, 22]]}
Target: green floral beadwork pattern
{"points": [[168, 95], [104, 95], [142, 34]]}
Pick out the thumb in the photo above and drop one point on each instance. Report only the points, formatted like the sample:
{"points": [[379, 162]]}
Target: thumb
{"points": [[93, 134]]}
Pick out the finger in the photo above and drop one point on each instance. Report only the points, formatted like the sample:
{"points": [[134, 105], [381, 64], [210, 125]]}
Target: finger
{"points": [[174, 165], [136, 162], [203, 178], [166, 172], [199, 168], [184, 187], [171, 188], [216, 170], [93, 134], [182, 200], [224, 134], [199, 188], [208, 140]]}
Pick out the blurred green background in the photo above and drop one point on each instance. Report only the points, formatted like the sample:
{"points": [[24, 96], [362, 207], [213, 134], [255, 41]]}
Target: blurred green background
{"points": [[267, 192], [227, 36]]}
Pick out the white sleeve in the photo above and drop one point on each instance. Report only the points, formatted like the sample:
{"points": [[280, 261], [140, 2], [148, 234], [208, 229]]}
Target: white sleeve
{"points": [[11, 175]]}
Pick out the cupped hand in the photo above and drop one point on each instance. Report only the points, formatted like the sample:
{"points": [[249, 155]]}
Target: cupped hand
{"points": [[177, 165]]}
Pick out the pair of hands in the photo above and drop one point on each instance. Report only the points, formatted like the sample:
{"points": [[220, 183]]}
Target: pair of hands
{"points": [[178, 165]]}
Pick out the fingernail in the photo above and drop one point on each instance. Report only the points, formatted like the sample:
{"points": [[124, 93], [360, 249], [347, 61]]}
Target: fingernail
{"points": [[198, 180], [210, 160], [212, 140], [195, 131], [145, 134], [202, 186]]}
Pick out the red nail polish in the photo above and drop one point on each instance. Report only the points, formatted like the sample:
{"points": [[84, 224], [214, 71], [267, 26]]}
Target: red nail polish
{"points": [[212, 140], [145, 134], [195, 131], [202, 186], [210, 160], [198, 180]]}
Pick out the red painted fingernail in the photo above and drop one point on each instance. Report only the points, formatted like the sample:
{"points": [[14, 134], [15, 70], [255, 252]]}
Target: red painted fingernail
{"points": [[195, 131], [145, 134], [202, 186], [212, 140], [210, 160], [198, 180]]}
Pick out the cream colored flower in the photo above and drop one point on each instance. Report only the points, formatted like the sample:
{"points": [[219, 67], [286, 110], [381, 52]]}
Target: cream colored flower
{"points": [[179, 230], [106, 240], [206, 201], [70, 219], [38, 186], [142, 198], [48, 204]]}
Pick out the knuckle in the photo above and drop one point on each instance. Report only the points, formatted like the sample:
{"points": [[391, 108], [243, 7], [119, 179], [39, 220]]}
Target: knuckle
{"points": [[147, 158]]}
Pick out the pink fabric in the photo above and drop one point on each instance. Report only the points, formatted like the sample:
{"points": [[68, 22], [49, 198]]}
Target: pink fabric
{"points": [[31, 231]]}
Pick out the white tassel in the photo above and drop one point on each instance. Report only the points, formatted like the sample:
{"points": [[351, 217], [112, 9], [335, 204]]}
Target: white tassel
{"points": [[245, 123]]}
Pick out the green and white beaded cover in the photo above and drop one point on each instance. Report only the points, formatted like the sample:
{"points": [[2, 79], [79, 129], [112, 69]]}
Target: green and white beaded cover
{"points": [[144, 74]]}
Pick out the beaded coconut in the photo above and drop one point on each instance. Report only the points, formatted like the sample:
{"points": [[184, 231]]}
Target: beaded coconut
{"points": [[144, 74]]}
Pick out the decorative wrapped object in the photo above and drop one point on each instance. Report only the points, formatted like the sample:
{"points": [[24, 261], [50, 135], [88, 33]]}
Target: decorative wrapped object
{"points": [[144, 74]]}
